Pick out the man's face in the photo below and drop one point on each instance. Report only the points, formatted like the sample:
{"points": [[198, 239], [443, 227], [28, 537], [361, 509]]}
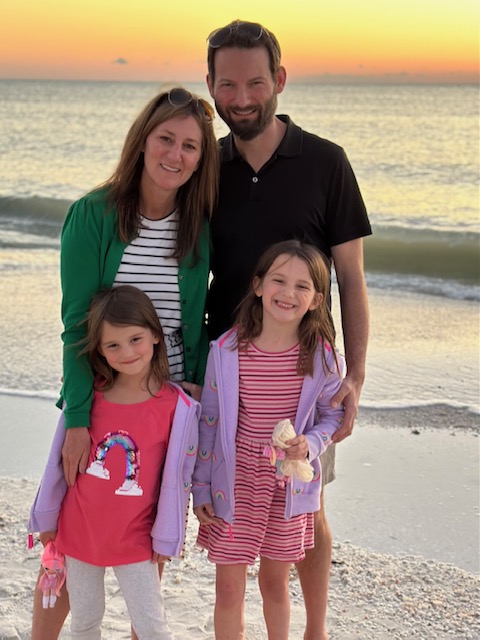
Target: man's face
{"points": [[244, 91]]}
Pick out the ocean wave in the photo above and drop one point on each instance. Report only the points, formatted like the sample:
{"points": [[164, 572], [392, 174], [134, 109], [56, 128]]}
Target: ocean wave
{"points": [[36, 207], [438, 255], [423, 285], [42, 394], [473, 409], [33, 216], [444, 255]]}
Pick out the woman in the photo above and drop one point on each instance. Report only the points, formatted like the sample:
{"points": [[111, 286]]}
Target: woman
{"points": [[146, 226]]}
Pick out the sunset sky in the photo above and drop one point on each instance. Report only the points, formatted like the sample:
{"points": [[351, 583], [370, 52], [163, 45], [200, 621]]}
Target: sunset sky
{"points": [[384, 40]]}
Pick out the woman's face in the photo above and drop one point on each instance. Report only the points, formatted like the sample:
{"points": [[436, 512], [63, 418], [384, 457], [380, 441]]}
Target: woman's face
{"points": [[172, 153]]}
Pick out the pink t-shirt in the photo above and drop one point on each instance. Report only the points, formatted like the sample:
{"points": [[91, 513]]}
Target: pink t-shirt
{"points": [[107, 516]]}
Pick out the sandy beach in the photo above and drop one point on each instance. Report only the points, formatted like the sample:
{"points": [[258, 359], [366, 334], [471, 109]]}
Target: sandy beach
{"points": [[404, 512]]}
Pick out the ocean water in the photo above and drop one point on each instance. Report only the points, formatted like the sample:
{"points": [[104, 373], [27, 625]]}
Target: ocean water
{"points": [[414, 149]]}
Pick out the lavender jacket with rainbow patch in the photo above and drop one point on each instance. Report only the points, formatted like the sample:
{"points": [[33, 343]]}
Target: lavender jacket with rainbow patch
{"points": [[168, 531], [214, 475]]}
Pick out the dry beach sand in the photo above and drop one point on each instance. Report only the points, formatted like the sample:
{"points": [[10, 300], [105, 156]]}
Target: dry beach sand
{"points": [[404, 515]]}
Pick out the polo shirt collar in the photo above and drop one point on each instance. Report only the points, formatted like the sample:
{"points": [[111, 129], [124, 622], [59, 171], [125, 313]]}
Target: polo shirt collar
{"points": [[290, 145]]}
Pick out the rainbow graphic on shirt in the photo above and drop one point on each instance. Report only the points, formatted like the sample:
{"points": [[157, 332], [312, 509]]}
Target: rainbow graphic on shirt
{"points": [[219, 495], [130, 486]]}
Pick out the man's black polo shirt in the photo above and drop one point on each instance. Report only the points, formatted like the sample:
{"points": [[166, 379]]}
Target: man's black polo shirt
{"points": [[306, 191]]}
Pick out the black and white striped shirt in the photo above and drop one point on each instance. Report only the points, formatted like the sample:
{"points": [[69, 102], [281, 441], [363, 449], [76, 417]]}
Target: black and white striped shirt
{"points": [[147, 263]]}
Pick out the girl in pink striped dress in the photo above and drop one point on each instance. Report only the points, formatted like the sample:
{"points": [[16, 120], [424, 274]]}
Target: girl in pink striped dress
{"points": [[278, 362]]}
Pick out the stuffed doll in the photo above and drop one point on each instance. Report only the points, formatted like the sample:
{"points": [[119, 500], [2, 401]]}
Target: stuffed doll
{"points": [[300, 469], [54, 574]]}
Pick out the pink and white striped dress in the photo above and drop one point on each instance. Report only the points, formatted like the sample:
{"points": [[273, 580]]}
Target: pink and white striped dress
{"points": [[269, 390]]}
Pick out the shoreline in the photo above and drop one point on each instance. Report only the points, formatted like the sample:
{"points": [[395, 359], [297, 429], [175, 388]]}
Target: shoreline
{"points": [[431, 416]]}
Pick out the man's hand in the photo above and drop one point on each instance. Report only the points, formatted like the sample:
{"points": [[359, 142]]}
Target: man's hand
{"points": [[349, 396], [75, 452]]}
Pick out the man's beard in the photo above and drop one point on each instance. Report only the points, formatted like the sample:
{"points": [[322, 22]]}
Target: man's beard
{"points": [[250, 129]]}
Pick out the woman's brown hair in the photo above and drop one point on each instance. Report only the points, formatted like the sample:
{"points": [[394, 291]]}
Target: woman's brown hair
{"points": [[196, 198], [123, 306], [315, 326]]}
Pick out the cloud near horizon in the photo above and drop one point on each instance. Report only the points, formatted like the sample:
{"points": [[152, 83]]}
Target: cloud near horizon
{"points": [[120, 61]]}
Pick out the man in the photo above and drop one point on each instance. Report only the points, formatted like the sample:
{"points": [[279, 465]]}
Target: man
{"points": [[279, 182]]}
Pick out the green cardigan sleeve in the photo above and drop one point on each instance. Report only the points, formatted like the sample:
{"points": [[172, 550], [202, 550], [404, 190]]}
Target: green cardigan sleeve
{"points": [[193, 284], [90, 254]]}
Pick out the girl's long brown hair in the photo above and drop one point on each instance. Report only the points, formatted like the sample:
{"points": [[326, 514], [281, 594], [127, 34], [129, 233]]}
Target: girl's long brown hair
{"points": [[123, 306], [195, 199], [315, 326]]}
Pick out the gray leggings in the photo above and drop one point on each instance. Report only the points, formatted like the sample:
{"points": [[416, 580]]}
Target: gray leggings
{"points": [[140, 586]]}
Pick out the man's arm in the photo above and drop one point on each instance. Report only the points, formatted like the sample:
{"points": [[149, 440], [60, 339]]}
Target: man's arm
{"points": [[348, 261]]}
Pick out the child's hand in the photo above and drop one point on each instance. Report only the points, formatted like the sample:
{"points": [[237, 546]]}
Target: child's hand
{"points": [[297, 448], [46, 536], [206, 514], [158, 559]]}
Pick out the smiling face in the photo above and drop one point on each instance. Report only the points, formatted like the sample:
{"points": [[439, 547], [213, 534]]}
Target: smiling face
{"points": [[244, 90], [172, 153], [128, 349], [287, 291]]}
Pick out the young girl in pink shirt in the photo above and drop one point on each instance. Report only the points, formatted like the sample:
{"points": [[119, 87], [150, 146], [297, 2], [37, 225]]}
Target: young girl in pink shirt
{"points": [[128, 510]]}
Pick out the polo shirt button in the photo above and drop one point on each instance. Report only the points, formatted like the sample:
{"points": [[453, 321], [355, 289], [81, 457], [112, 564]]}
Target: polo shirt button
{"points": [[189, 349], [255, 179], [190, 373], [180, 277], [185, 327], [184, 301]]}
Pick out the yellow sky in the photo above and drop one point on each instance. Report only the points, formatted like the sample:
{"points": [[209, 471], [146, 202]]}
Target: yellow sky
{"points": [[406, 40]]}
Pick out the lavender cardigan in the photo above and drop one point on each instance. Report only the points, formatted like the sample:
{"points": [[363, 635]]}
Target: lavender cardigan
{"points": [[214, 475]]}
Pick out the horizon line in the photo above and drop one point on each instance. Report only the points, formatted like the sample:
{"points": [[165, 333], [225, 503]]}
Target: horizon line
{"points": [[326, 79]]}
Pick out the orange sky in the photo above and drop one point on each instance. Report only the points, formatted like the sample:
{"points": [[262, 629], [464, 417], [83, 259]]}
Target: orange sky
{"points": [[399, 40]]}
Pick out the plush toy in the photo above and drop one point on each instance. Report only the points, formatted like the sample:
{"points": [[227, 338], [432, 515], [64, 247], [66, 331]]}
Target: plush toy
{"points": [[286, 468], [54, 574]]}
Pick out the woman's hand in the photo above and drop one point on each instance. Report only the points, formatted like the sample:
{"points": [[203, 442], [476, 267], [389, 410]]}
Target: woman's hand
{"points": [[195, 390], [297, 448], [75, 452], [206, 514]]}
